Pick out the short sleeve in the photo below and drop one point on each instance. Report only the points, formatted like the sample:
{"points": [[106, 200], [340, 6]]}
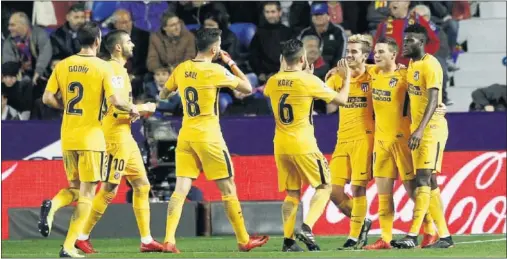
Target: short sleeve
{"points": [[110, 81], [320, 90], [224, 78], [171, 82], [268, 87], [334, 82], [433, 75], [52, 85]]}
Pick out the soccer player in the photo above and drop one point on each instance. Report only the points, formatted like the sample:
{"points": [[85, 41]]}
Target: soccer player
{"points": [[201, 145], [123, 155], [297, 156], [428, 136], [351, 159], [391, 154], [83, 80]]}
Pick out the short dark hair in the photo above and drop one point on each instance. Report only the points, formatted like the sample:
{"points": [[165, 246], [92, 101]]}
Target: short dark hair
{"points": [[220, 17], [113, 38], [79, 7], [88, 33], [417, 28], [292, 50], [391, 42], [277, 3], [204, 38], [166, 16]]}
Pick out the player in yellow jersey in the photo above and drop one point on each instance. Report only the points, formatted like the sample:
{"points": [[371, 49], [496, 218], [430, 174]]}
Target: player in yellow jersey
{"points": [[351, 159], [292, 92], [391, 154], [83, 80], [201, 146], [123, 155], [428, 136]]}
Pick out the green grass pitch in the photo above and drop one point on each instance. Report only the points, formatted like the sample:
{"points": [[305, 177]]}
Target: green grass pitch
{"points": [[478, 246]]}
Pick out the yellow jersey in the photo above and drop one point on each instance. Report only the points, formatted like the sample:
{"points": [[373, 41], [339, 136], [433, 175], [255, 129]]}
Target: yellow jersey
{"points": [[198, 84], [84, 81], [356, 117], [390, 104], [116, 123], [421, 76], [292, 94]]}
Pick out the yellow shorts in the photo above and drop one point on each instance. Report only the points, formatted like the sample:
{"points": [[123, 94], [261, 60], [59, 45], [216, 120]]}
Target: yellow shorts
{"points": [[123, 159], [351, 162], [212, 157], [391, 158], [429, 154], [85, 166], [294, 170]]}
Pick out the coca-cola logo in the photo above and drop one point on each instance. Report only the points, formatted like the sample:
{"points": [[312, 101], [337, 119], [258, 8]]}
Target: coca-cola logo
{"points": [[474, 198]]}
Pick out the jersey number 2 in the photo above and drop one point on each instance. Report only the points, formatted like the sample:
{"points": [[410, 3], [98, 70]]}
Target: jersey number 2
{"points": [[285, 110], [191, 98], [75, 87]]}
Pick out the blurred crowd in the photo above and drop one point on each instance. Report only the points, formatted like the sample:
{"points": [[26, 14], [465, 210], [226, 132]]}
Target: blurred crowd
{"points": [[37, 35]]}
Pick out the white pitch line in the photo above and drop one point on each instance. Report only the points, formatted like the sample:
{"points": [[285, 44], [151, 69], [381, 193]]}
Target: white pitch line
{"points": [[482, 241]]}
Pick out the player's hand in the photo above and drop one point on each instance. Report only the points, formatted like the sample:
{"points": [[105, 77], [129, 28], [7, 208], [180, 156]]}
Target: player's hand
{"points": [[441, 109], [489, 108], [400, 66], [309, 68], [415, 139], [343, 68], [330, 73], [134, 114], [226, 58], [150, 107]]}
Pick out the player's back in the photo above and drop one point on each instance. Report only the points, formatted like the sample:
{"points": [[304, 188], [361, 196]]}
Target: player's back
{"points": [[198, 85], [292, 94], [80, 80]]}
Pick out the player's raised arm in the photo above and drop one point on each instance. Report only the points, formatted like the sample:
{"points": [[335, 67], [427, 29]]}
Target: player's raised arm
{"points": [[342, 97], [244, 85], [49, 97]]}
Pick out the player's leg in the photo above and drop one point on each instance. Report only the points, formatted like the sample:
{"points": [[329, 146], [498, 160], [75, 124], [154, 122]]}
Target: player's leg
{"points": [[289, 181], [64, 197], [217, 165], [340, 176], [314, 170], [188, 168], [90, 166]]}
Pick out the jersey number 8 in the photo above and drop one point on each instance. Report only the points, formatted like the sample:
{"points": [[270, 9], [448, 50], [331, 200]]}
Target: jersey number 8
{"points": [[285, 112], [191, 98], [75, 87]]}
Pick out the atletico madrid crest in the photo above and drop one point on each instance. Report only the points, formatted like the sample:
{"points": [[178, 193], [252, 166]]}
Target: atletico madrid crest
{"points": [[393, 82], [365, 87], [416, 75]]}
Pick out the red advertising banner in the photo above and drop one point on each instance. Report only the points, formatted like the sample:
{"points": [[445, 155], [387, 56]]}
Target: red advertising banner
{"points": [[472, 186]]}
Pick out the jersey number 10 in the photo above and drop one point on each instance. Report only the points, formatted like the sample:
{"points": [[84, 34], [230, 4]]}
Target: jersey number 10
{"points": [[75, 87]]}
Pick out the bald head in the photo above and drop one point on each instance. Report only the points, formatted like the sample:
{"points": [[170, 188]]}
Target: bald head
{"points": [[122, 20], [19, 24], [399, 9], [423, 11]]}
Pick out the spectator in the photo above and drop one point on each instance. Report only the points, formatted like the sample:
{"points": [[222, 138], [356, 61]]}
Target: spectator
{"points": [[313, 47], [332, 36], [377, 13], [8, 113], [29, 46], [40, 111], [298, 16], [193, 12], [136, 65], [219, 19], [265, 45], [19, 92], [441, 15], [171, 45], [489, 99], [146, 15], [173, 103], [64, 40], [396, 23]]}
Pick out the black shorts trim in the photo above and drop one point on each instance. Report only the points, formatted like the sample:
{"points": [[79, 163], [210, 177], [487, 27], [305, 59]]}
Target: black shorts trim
{"points": [[228, 162], [321, 172]]}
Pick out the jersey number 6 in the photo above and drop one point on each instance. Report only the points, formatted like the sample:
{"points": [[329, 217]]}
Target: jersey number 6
{"points": [[191, 98], [285, 110], [75, 87]]}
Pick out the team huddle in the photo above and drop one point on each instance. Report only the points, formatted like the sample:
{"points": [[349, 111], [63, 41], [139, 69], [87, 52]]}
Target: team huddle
{"points": [[391, 123]]}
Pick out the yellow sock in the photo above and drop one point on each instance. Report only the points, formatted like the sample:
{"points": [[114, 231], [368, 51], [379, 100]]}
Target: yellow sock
{"points": [[346, 207], [289, 213], [235, 216], [422, 203], [63, 198], [174, 209], [77, 222], [428, 224], [437, 212], [99, 205], [317, 206], [141, 206], [359, 208], [386, 216]]}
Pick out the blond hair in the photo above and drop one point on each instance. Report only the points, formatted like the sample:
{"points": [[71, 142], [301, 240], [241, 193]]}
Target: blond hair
{"points": [[365, 40]]}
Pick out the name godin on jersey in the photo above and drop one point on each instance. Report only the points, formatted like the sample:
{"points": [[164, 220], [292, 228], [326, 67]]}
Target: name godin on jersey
{"points": [[356, 102], [414, 90], [380, 95]]}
